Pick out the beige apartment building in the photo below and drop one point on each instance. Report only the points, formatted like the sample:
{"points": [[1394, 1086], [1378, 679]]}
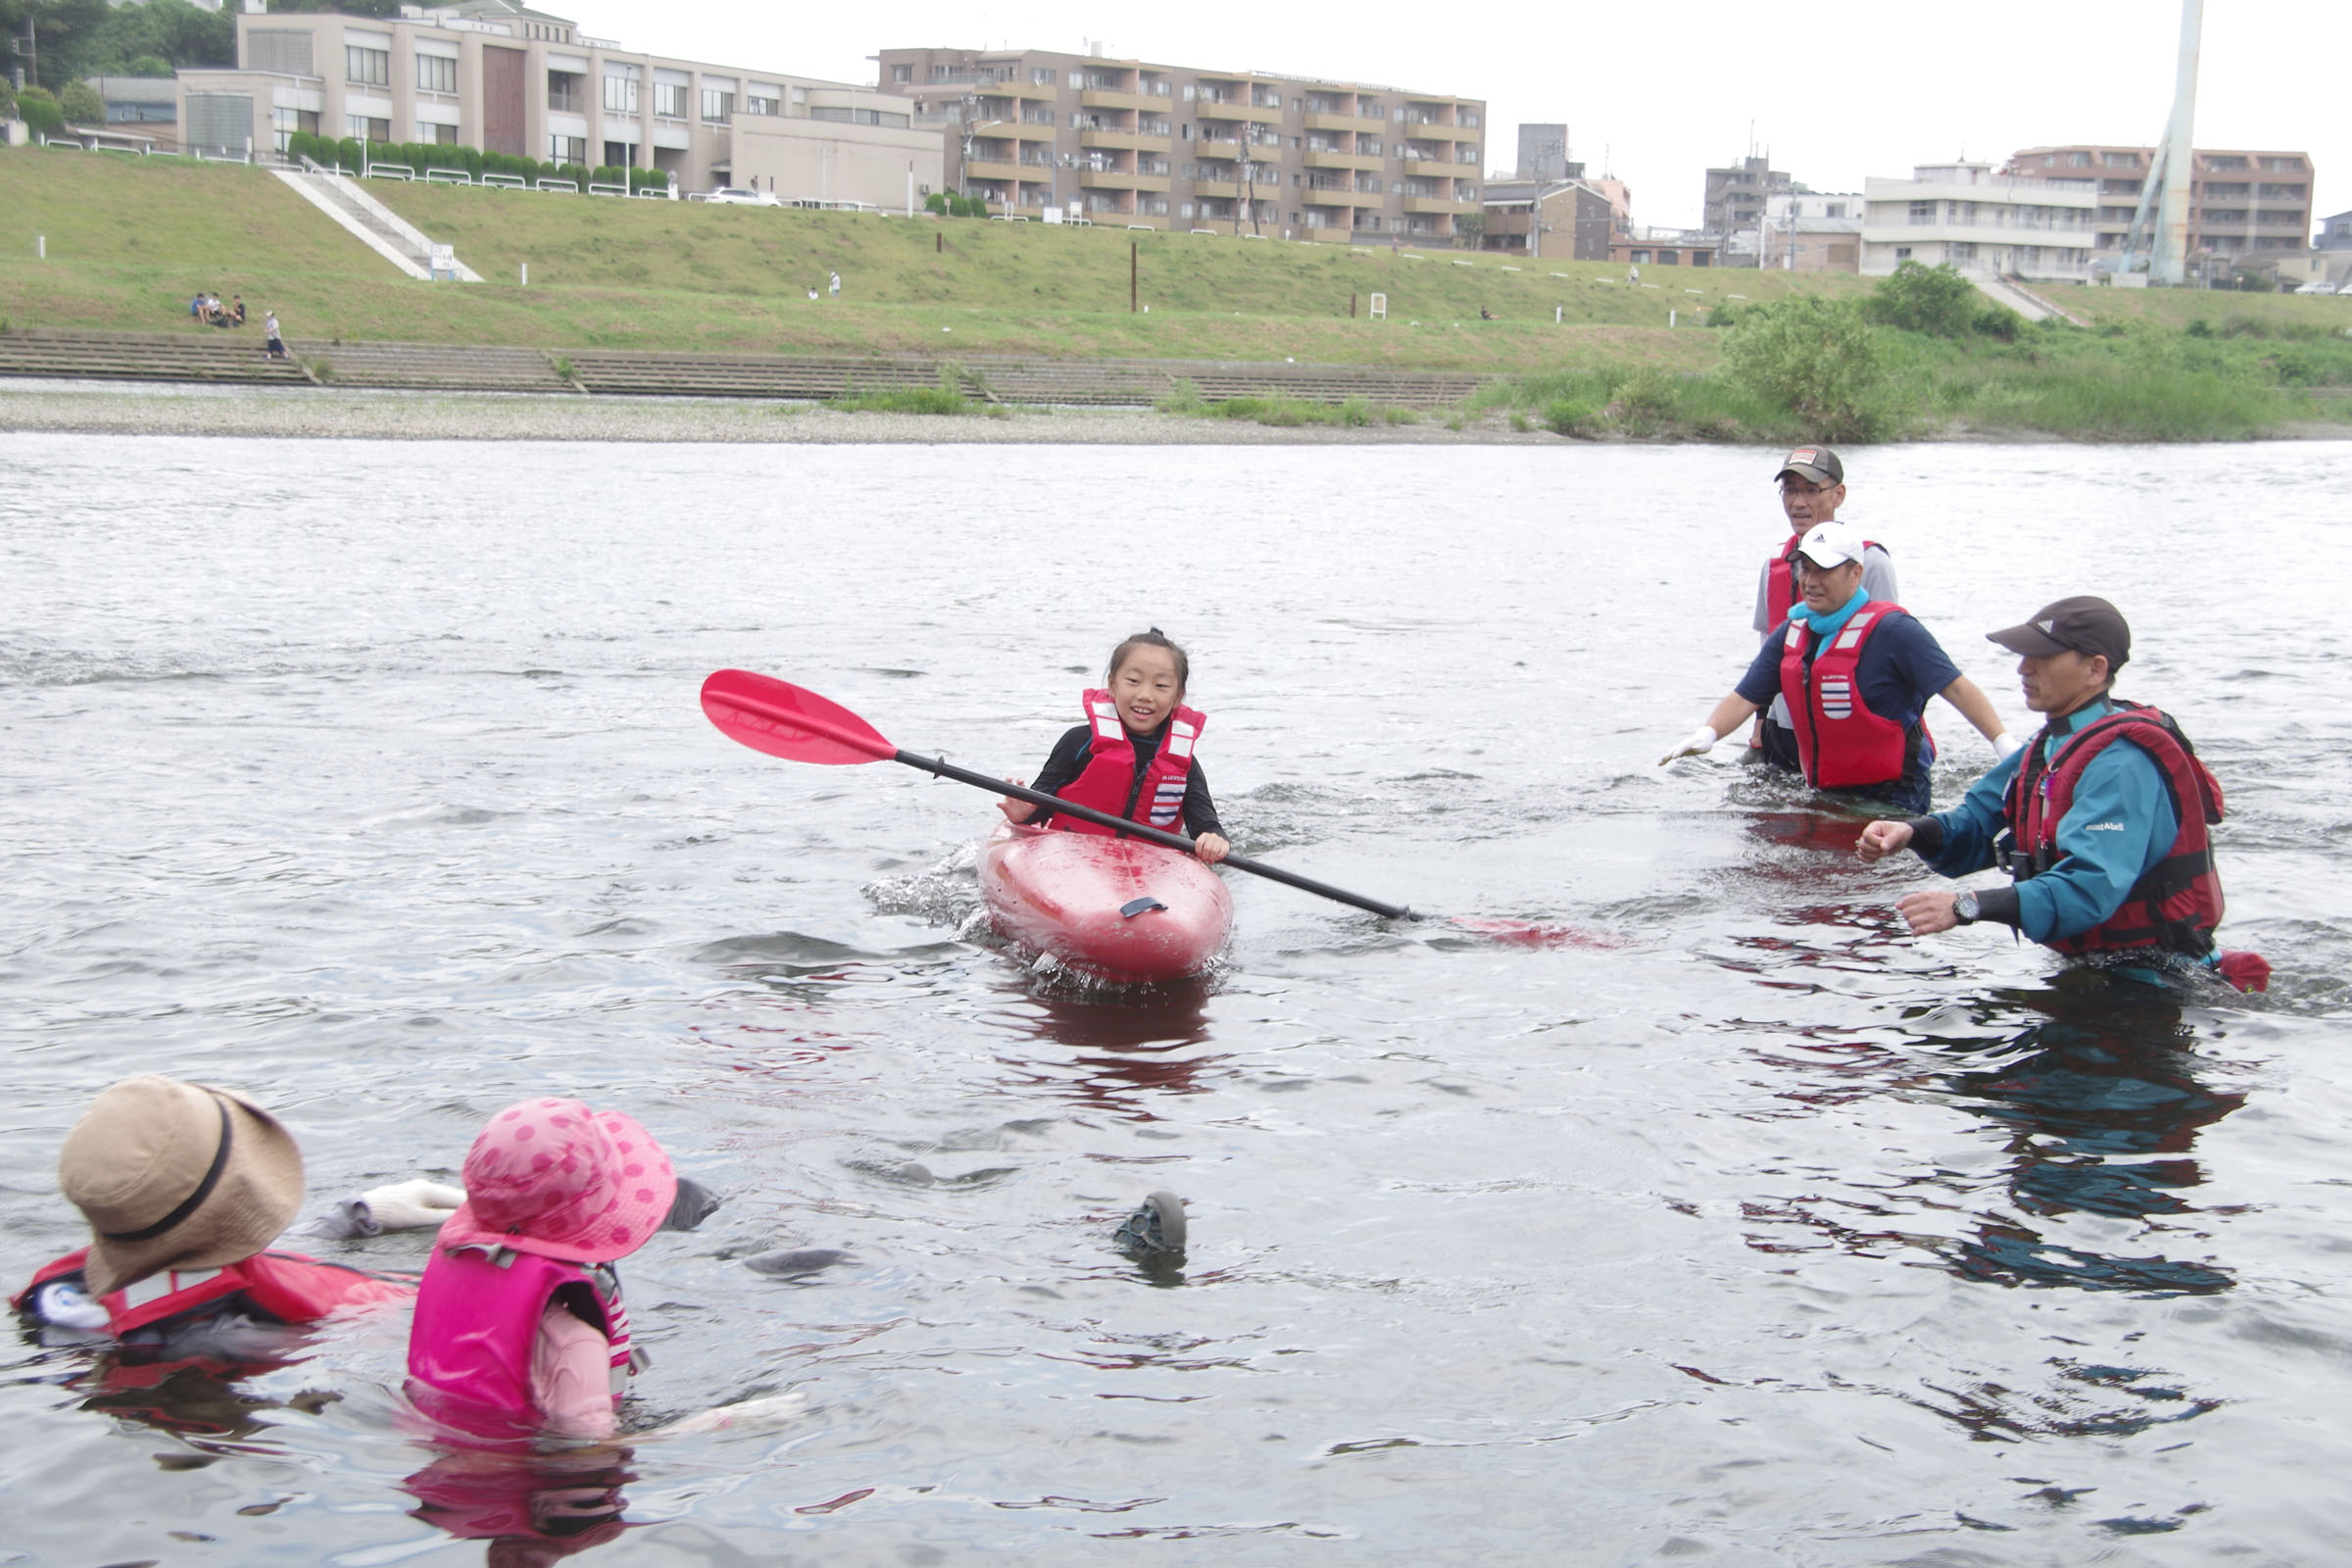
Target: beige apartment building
{"points": [[503, 77], [2240, 202], [1154, 146]]}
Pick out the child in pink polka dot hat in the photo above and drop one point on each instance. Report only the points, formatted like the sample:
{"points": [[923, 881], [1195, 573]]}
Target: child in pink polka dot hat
{"points": [[519, 1328]]}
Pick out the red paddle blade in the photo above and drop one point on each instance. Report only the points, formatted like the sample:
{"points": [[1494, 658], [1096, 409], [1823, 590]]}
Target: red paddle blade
{"points": [[783, 720], [1533, 933]]}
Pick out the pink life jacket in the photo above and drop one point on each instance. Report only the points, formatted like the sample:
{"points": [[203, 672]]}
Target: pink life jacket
{"points": [[1842, 743], [285, 1285], [1107, 783], [477, 1320]]}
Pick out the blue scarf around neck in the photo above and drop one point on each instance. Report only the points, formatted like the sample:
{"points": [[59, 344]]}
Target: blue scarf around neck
{"points": [[1828, 626]]}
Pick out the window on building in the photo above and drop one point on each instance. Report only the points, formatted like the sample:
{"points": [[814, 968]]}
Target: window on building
{"points": [[2075, 160], [2283, 166], [902, 73], [621, 95], [718, 107], [2225, 162], [669, 100], [1836, 209], [2120, 159], [366, 129], [1077, 79], [1922, 212], [441, 135], [563, 94], [367, 67], [1902, 253], [567, 149], [434, 73], [761, 104]]}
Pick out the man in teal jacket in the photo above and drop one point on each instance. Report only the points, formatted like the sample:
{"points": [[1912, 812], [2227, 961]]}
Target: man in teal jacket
{"points": [[2106, 836]]}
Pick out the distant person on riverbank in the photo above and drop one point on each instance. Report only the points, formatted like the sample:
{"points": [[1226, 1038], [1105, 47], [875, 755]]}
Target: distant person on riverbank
{"points": [[236, 308], [275, 348], [1857, 676], [1633, 276], [196, 306], [185, 1187], [835, 289], [1812, 484], [1133, 757], [2101, 820]]}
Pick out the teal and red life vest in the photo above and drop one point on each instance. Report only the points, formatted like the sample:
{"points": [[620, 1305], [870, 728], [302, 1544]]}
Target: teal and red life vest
{"points": [[1840, 742], [477, 1320], [1108, 782], [285, 1285], [2177, 902]]}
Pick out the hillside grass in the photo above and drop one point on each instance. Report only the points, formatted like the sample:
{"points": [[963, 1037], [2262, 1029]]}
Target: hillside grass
{"points": [[130, 241]]}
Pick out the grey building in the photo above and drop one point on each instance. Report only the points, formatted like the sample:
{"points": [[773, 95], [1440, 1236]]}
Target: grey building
{"points": [[2335, 233], [1141, 145], [1544, 154], [1735, 194]]}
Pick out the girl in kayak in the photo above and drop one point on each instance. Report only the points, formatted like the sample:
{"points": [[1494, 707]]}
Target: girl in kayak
{"points": [[1133, 757]]}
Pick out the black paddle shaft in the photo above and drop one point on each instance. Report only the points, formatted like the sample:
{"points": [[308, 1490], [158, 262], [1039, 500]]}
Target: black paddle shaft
{"points": [[1152, 835]]}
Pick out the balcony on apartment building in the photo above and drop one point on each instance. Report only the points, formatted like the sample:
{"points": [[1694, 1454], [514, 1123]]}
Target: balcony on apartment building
{"points": [[1321, 119], [1023, 130], [1340, 158]]}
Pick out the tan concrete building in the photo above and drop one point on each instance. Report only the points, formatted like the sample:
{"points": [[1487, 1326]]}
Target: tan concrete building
{"points": [[2242, 203], [1555, 219], [503, 77], [1153, 146], [1979, 222]]}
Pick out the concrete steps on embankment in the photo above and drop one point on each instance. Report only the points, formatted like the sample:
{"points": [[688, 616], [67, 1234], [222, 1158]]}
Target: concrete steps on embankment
{"points": [[209, 356], [455, 368], [431, 366]]}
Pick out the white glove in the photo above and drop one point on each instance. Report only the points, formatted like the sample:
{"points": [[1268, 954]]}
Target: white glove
{"points": [[750, 1415], [411, 1204], [2002, 745], [1698, 743]]}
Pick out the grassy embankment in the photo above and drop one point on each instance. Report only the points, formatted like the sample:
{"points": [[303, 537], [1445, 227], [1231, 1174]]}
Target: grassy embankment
{"points": [[130, 241]]}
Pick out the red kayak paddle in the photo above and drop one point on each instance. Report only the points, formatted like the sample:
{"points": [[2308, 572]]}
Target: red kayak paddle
{"points": [[790, 722]]}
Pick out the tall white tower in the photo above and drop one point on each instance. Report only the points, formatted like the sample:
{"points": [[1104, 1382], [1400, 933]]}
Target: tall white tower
{"points": [[2170, 263]]}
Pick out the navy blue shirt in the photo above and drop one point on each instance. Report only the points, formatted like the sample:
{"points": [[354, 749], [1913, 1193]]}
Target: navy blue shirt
{"points": [[1901, 667]]}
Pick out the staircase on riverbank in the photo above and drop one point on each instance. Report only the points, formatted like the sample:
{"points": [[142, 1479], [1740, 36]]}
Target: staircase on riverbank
{"points": [[457, 367], [376, 226], [2013, 293]]}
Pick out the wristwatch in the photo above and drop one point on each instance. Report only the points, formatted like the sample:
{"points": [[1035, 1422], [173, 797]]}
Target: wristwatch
{"points": [[1965, 908]]}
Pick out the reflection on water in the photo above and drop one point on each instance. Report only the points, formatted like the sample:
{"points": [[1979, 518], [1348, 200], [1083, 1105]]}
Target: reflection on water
{"points": [[532, 1508]]}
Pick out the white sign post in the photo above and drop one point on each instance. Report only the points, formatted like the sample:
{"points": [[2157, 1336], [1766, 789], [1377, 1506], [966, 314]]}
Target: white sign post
{"points": [[443, 259], [1380, 307]]}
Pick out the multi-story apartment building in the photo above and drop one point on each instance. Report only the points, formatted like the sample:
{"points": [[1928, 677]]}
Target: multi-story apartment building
{"points": [[1979, 222], [1549, 220], [498, 75], [2240, 202], [1735, 199], [1155, 146]]}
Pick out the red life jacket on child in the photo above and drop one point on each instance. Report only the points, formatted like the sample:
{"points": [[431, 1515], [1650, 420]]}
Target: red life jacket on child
{"points": [[477, 1319], [285, 1285], [1107, 783], [1841, 741], [2177, 902], [1779, 577]]}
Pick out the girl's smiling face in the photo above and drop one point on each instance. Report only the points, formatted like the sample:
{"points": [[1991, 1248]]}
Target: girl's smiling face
{"points": [[1146, 688]]}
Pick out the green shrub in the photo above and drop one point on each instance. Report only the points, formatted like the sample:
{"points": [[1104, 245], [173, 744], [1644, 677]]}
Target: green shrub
{"points": [[1184, 397], [37, 109], [149, 66], [2245, 326], [350, 152], [81, 104], [7, 99], [936, 204], [1570, 416], [1724, 315], [1934, 300], [1818, 359], [2198, 328], [907, 400], [2000, 321]]}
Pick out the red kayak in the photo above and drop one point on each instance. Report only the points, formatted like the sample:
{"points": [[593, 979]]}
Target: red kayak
{"points": [[1118, 908]]}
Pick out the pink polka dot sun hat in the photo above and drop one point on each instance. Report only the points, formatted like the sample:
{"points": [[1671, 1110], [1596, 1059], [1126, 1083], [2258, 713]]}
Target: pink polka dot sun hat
{"points": [[553, 1178]]}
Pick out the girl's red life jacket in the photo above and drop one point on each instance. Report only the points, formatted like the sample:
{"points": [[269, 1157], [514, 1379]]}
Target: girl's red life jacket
{"points": [[2177, 905], [1839, 741], [288, 1286], [1108, 782], [1780, 577], [477, 1320]]}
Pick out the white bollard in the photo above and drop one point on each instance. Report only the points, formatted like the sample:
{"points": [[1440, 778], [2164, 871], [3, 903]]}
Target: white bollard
{"points": [[526, 274], [1669, 317], [40, 246], [1556, 317]]}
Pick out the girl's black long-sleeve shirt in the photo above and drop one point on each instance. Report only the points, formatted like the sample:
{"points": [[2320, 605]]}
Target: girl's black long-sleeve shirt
{"points": [[1076, 749]]}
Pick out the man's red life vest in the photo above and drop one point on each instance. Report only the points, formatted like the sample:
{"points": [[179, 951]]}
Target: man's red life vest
{"points": [[286, 1285], [477, 1320], [1779, 577], [1107, 783], [1839, 741], [2177, 905]]}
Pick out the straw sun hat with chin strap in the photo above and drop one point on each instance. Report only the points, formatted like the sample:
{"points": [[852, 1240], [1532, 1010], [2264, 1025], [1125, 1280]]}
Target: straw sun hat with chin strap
{"points": [[174, 1175]]}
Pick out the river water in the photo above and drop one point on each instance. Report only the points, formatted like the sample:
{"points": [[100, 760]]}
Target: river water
{"points": [[368, 777]]}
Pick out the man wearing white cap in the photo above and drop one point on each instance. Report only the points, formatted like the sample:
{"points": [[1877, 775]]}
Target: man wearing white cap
{"points": [[1812, 485], [1856, 675]]}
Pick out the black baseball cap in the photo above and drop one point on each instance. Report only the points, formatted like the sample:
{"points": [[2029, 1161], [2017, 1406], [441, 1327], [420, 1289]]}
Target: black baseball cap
{"points": [[2086, 624], [1813, 464]]}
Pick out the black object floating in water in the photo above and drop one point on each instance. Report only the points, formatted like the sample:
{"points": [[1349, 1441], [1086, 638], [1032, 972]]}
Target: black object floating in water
{"points": [[1155, 1229]]}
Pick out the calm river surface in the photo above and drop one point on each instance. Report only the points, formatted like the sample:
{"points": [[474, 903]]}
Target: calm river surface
{"points": [[368, 777]]}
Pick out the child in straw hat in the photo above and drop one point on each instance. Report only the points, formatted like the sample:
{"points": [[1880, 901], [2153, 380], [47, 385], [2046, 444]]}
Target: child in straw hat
{"points": [[185, 1187]]}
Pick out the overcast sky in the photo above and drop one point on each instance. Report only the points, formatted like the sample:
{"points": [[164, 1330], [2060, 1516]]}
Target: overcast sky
{"points": [[1834, 89]]}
